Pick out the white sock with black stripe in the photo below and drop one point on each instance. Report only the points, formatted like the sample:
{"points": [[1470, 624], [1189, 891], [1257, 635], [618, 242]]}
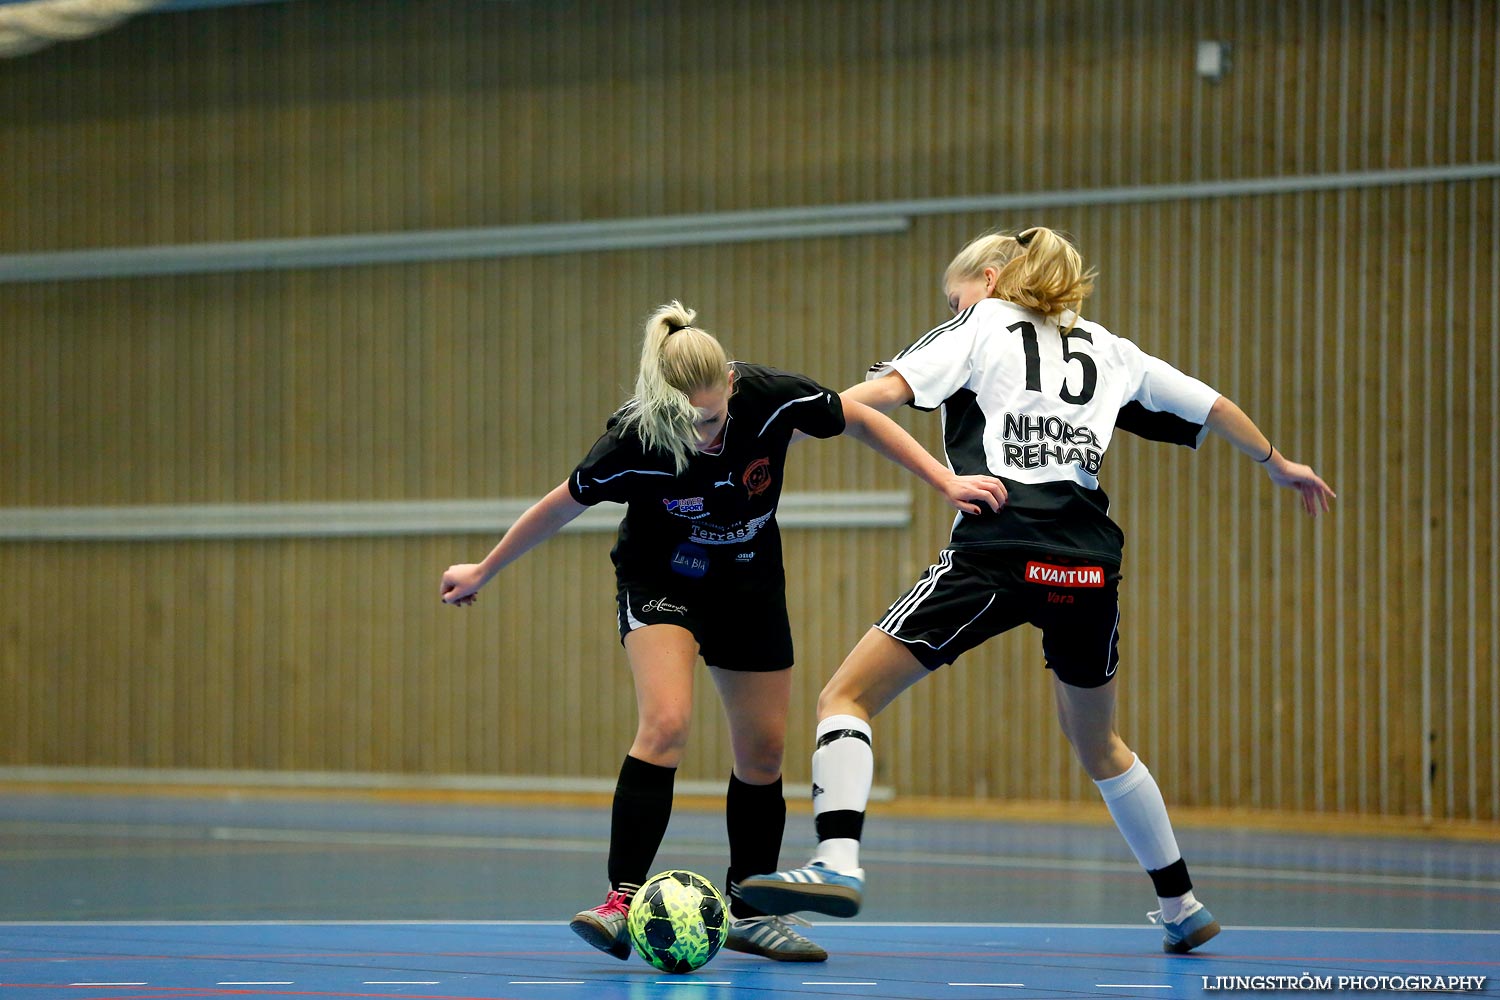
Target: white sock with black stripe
{"points": [[1135, 801], [843, 769]]}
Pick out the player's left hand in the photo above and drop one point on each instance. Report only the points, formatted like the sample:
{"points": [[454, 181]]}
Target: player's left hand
{"points": [[964, 493], [1295, 476]]}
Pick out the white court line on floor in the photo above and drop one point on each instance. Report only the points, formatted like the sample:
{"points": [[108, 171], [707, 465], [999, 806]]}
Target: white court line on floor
{"points": [[589, 846], [106, 984], [401, 982], [547, 982], [837, 983], [1009, 863], [1132, 986], [271, 982], [1014, 985], [1004, 925]]}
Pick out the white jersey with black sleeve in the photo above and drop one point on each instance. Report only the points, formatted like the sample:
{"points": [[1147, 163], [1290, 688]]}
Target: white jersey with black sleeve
{"points": [[1037, 406]]}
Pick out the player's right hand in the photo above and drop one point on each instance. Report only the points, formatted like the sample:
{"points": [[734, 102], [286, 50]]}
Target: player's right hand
{"points": [[461, 583], [964, 492]]}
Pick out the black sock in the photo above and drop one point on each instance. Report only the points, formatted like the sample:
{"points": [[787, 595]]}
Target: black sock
{"points": [[1172, 881], [756, 817], [643, 805]]}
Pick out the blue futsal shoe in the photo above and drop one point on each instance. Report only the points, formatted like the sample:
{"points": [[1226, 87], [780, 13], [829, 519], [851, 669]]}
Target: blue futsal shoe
{"points": [[816, 888], [1188, 933]]}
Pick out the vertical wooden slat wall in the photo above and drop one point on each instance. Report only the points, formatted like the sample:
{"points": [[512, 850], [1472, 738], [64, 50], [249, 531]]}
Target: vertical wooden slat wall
{"points": [[1347, 665]]}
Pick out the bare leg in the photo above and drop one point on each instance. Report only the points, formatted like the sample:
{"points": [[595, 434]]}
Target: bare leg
{"points": [[662, 658], [756, 704], [1087, 716], [876, 670]]}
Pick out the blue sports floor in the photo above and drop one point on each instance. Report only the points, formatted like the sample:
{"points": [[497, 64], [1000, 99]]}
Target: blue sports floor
{"points": [[156, 897]]}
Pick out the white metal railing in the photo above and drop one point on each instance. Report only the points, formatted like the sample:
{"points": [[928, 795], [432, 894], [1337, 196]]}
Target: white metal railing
{"points": [[661, 231], [167, 522]]}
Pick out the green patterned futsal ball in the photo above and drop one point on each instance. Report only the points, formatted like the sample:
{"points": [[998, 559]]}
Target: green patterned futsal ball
{"points": [[678, 921]]}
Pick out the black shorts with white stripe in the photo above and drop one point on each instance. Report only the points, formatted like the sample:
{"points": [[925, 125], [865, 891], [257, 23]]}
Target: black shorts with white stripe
{"points": [[736, 628], [969, 596]]}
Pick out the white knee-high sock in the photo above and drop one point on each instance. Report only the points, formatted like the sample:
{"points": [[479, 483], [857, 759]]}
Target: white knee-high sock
{"points": [[843, 769], [1140, 812]]}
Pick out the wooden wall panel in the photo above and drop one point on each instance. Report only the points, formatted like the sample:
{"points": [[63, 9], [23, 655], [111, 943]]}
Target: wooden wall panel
{"points": [[348, 116], [1346, 665]]}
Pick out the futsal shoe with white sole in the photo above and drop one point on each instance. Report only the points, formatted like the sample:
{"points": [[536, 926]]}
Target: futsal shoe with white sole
{"points": [[606, 926], [773, 938], [816, 888], [1187, 932]]}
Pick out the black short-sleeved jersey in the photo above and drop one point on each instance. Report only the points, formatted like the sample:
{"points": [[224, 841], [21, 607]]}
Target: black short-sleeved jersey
{"points": [[1037, 407], [717, 519]]}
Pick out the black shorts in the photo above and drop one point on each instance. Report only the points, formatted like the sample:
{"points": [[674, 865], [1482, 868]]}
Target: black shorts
{"points": [[966, 597], [736, 629]]}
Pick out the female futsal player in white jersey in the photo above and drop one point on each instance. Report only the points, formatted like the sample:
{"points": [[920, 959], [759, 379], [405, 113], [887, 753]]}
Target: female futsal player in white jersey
{"points": [[1031, 392], [697, 455]]}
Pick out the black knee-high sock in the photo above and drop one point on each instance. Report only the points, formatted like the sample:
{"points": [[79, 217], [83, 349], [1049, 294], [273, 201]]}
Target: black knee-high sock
{"points": [[756, 817], [643, 805]]}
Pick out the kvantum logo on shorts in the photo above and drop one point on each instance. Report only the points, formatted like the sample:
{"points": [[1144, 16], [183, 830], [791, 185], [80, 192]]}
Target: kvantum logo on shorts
{"points": [[1064, 576]]}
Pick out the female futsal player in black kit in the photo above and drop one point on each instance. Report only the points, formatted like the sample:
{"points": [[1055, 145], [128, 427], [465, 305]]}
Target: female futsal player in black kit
{"points": [[697, 456], [1033, 393]]}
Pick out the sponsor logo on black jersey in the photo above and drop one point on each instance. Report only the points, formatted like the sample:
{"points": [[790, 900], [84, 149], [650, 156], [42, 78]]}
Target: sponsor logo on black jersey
{"points": [[757, 477], [1064, 576], [661, 604], [687, 505], [738, 533]]}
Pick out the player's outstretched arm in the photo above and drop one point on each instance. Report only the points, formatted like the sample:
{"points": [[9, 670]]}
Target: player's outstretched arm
{"points": [[890, 439], [542, 520], [885, 394], [889, 392], [1232, 424]]}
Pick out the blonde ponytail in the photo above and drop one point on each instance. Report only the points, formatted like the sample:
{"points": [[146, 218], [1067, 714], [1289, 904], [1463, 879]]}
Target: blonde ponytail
{"points": [[1038, 269], [677, 360], [1046, 276]]}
